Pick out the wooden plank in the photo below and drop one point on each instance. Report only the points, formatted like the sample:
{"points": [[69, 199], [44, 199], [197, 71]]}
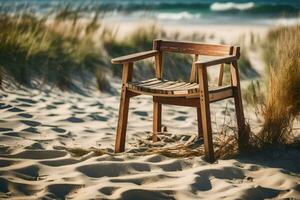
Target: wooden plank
{"points": [[134, 57], [123, 109], [205, 113], [182, 89], [193, 70], [217, 61], [195, 48], [178, 101], [220, 95]]}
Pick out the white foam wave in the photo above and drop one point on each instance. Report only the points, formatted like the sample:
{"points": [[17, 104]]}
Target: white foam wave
{"points": [[177, 16], [231, 6]]}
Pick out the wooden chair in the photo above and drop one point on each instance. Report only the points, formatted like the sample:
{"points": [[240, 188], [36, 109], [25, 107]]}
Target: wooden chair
{"points": [[195, 93]]}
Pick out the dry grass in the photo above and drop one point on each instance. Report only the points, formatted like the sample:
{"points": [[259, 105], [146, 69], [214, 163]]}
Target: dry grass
{"points": [[48, 50], [282, 105]]}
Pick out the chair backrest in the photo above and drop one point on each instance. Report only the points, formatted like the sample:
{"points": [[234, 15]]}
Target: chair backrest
{"points": [[196, 49]]}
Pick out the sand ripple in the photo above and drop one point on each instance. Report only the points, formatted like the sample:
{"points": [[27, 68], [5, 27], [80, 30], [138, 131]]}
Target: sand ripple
{"points": [[36, 131]]}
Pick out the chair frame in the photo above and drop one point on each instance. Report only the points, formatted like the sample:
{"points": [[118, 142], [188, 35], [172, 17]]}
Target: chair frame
{"points": [[225, 55]]}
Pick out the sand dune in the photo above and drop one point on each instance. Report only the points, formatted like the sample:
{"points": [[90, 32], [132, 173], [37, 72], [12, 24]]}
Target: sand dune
{"points": [[37, 129]]}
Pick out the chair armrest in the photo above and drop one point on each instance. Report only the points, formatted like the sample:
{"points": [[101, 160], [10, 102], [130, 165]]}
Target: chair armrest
{"points": [[211, 61], [134, 57]]}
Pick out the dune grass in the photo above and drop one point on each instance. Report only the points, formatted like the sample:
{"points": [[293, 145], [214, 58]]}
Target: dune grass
{"points": [[176, 66], [282, 106], [32, 49]]}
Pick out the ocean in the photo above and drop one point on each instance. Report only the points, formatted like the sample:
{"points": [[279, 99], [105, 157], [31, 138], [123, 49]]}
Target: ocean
{"points": [[187, 11]]}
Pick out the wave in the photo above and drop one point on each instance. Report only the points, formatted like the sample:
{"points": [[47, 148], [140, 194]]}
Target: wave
{"points": [[177, 16], [231, 6], [168, 9]]}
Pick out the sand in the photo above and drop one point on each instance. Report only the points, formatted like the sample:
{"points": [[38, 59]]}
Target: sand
{"points": [[39, 130]]}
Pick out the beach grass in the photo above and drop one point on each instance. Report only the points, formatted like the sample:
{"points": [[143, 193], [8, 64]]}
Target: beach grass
{"points": [[31, 49], [282, 105]]}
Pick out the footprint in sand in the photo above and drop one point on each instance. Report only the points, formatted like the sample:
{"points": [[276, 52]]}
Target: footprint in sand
{"points": [[35, 146], [9, 187], [58, 102], [60, 162], [29, 173], [30, 123], [4, 106], [14, 109], [108, 190], [58, 130], [24, 105], [6, 163], [25, 115], [50, 107], [146, 194], [60, 191], [180, 118], [31, 130], [141, 113], [27, 100], [75, 120], [5, 129], [97, 117], [37, 154]]}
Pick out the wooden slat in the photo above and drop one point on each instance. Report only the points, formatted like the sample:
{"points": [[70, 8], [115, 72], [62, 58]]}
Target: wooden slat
{"points": [[193, 70], [221, 74], [179, 89], [216, 61], [134, 57], [195, 48], [179, 101]]}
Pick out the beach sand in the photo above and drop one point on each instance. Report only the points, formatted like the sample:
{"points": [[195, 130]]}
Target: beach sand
{"points": [[40, 132]]}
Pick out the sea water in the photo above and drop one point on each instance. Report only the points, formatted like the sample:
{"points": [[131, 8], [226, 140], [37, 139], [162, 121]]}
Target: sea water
{"points": [[175, 11]]}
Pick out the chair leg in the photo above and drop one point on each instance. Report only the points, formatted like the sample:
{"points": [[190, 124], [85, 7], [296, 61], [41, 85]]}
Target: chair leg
{"points": [[205, 114], [199, 120], [238, 104], [207, 131], [239, 113], [122, 122], [156, 120]]}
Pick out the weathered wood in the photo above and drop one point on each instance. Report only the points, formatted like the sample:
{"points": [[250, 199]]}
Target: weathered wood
{"points": [[199, 120], [157, 107], [156, 120], [205, 113], [173, 89], [195, 48], [123, 109], [193, 77], [238, 101], [134, 57], [221, 74], [192, 93], [216, 60], [178, 101]]}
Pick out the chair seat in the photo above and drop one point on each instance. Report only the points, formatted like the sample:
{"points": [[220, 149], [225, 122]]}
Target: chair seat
{"points": [[161, 87]]}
